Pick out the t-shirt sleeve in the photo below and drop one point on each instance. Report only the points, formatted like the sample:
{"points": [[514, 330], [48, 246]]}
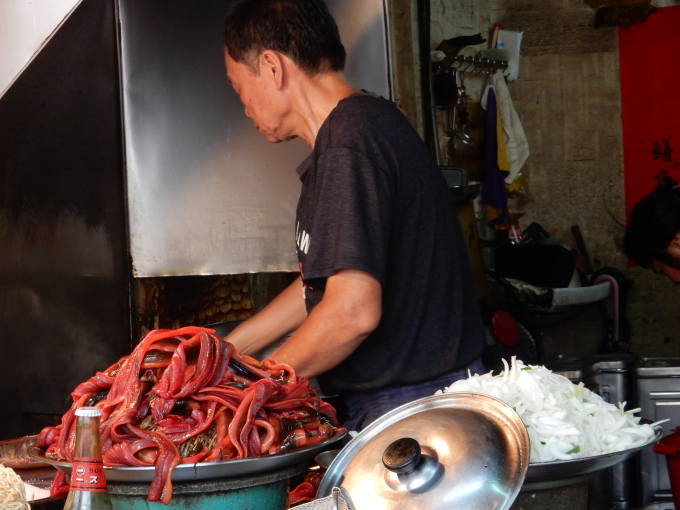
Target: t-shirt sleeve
{"points": [[352, 216]]}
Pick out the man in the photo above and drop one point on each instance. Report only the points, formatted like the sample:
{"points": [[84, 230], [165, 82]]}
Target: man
{"points": [[652, 238], [384, 311]]}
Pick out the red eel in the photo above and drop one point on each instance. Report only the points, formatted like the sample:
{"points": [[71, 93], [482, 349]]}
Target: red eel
{"points": [[187, 379]]}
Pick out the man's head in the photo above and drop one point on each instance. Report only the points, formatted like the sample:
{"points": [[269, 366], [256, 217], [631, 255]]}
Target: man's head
{"points": [[653, 236], [274, 50], [302, 30]]}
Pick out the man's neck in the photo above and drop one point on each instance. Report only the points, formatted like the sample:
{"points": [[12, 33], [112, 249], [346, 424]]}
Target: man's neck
{"points": [[315, 99]]}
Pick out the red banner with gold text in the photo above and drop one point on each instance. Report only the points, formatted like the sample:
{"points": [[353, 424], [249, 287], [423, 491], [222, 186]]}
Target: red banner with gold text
{"points": [[649, 60]]}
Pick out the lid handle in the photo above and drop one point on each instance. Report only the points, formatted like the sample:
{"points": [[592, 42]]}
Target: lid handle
{"points": [[402, 456]]}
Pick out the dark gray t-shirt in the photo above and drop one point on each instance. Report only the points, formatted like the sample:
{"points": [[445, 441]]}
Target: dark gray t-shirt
{"points": [[372, 199]]}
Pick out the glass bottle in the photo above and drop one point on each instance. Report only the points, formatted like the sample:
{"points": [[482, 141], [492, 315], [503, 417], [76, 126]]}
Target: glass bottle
{"points": [[515, 234], [88, 486]]}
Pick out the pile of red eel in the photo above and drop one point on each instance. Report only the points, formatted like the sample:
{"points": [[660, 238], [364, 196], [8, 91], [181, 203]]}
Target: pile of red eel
{"points": [[186, 396]]}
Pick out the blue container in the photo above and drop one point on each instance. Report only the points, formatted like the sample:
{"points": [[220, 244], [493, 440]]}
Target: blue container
{"points": [[268, 491]]}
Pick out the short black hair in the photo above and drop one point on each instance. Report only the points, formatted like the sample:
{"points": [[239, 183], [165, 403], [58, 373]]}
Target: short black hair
{"points": [[654, 223], [303, 30]]}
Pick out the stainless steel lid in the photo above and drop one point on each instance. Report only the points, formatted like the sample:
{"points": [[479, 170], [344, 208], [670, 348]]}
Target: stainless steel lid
{"points": [[592, 364], [575, 372], [574, 368], [459, 450], [658, 367], [615, 362]]}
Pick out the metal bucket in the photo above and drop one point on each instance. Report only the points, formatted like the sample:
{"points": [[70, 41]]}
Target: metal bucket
{"points": [[268, 491]]}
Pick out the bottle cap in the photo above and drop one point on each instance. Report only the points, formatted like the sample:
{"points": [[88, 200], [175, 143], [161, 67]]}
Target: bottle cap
{"points": [[88, 411]]}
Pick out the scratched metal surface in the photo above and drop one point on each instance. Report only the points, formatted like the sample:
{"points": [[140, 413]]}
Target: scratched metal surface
{"points": [[207, 193]]}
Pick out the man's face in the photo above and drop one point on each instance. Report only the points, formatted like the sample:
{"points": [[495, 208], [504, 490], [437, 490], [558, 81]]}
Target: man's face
{"points": [[260, 98], [670, 272]]}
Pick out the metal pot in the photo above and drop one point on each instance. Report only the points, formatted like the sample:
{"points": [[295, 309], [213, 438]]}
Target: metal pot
{"points": [[267, 491], [459, 450], [252, 482]]}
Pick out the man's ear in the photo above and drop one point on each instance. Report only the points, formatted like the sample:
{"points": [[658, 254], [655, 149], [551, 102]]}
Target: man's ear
{"points": [[273, 65], [674, 248]]}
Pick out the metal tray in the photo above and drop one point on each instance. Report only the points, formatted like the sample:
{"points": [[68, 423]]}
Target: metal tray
{"points": [[14, 453], [561, 469], [202, 470]]}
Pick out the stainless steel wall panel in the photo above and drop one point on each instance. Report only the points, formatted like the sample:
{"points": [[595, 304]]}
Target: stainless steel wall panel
{"points": [[207, 193]]}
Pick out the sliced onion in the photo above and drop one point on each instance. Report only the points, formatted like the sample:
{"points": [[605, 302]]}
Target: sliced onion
{"points": [[564, 421]]}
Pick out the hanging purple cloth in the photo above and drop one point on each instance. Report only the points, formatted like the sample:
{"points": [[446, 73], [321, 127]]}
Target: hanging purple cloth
{"points": [[494, 192]]}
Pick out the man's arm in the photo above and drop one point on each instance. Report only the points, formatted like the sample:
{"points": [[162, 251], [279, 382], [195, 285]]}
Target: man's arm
{"points": [[284, 314], [348, 312]]}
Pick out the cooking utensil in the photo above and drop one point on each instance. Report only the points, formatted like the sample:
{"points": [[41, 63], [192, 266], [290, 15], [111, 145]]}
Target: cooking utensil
{"points": [[460, 450], [202, 470], [564, 469], [462, 142], [456, 177]]}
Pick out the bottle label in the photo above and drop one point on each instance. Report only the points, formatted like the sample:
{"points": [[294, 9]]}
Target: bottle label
{"points": [[515, 234], [88, 475]]}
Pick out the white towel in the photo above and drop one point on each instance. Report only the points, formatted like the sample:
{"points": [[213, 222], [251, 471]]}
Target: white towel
{"points": [[516, 142]]}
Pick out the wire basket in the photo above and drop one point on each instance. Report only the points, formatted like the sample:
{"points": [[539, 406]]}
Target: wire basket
{"points": [[338, 500]]}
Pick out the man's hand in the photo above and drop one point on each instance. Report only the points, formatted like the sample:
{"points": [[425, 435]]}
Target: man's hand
{"points": [[282, 316], [348, 312]]}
